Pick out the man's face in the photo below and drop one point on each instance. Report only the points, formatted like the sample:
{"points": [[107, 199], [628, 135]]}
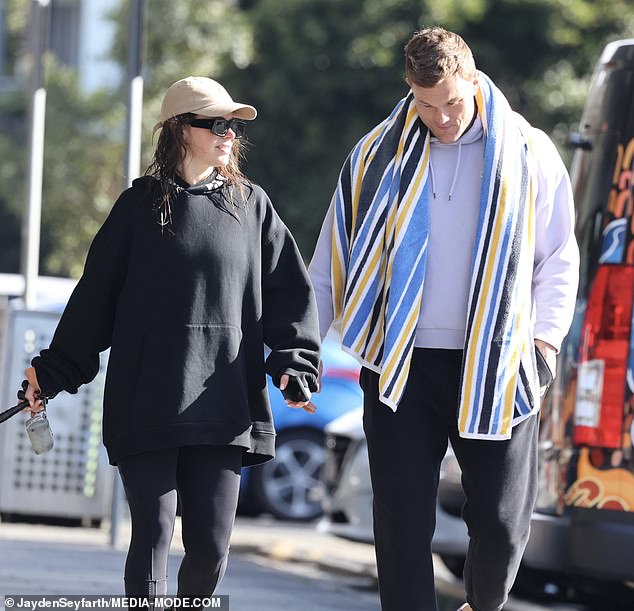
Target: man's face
{"points": [[447, 108]]}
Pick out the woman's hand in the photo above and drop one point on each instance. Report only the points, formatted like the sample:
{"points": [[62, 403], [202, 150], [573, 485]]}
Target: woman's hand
{"points": [[307, 406], [32, 392]]}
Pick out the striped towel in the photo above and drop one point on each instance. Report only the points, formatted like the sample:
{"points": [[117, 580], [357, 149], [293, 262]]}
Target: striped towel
{"points": [[379, 250]]}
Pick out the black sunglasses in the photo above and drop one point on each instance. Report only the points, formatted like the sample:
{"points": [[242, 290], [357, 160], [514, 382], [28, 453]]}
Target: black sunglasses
{"points": [[220, 126]]}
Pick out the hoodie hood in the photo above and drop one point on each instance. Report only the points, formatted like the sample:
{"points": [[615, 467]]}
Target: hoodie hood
{"points": [[211, 183], [472, 134]]}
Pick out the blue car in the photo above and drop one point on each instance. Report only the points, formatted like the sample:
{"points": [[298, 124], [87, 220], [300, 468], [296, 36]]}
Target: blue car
{"points": [[289, 487]]}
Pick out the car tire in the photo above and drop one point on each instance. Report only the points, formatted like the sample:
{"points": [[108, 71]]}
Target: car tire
{"points": [[289, 486]]}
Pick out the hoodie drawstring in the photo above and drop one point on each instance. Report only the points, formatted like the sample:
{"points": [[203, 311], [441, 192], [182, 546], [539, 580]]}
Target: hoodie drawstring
{"points": [[455, 174]]}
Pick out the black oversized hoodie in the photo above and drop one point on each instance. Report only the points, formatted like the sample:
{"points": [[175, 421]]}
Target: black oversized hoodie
{"points": [[186, 314]]}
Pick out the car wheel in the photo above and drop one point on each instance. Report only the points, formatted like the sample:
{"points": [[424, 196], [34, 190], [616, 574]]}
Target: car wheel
{"points": [[289, 486]]}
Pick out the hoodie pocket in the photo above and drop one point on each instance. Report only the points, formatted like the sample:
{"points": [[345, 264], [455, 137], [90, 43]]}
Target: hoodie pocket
{"points": [[192, 373]]}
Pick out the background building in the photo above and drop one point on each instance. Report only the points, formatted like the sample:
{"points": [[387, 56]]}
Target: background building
{"points": [[80, 37]]}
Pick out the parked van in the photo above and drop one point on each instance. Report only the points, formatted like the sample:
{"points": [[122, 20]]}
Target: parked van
{"points": [[584, 523]]}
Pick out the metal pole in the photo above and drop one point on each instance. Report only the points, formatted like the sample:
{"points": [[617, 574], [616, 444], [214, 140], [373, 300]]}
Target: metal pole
{"points": [[135, 93], [32, 217], [3, 45], [132, 169]]}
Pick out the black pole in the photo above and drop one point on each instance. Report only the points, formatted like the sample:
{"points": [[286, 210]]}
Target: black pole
{"points": [[3, 38], [131, 170]]}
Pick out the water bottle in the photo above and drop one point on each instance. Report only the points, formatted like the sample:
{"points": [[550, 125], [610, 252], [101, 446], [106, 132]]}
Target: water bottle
{"points": [[39, 433]]}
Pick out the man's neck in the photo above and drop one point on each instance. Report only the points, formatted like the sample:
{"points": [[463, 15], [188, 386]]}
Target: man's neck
{"points": [[475, 114]]}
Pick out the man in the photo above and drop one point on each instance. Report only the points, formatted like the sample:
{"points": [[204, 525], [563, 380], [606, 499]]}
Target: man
{"points": [[448, 255]]}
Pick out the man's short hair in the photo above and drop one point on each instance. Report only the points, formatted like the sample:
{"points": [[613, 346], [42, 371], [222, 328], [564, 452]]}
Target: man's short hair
{"points": [[433, 54]]}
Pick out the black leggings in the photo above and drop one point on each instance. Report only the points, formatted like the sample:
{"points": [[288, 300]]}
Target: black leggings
{"points": [[207, 481]]}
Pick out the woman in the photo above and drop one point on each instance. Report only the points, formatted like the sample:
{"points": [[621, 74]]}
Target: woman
{"points": [[190, 276]]}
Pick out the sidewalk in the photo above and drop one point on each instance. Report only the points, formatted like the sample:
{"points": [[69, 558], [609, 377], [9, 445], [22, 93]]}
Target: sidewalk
{"points": [[40, 559], [36, 558]]}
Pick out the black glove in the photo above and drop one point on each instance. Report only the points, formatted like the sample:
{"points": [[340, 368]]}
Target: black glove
{"points": [[295, 390]]}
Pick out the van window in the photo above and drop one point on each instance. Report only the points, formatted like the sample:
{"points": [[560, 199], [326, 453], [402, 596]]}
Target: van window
{"points": [[600, 174]]}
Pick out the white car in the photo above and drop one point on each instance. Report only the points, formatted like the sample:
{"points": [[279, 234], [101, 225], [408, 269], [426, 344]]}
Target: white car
{"points": [[348, 506]]}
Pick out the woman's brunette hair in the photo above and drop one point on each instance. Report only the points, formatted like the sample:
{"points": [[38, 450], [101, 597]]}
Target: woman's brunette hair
{"points": [[169, 154]]}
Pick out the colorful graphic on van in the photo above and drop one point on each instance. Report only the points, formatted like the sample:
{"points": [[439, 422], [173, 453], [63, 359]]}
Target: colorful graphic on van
{"points": [[630, 360], [613, 242], [612, 489], [630, 363], [620, 204]]}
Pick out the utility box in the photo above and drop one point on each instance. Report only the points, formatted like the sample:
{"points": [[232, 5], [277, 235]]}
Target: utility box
{"points": [[74, 479]]}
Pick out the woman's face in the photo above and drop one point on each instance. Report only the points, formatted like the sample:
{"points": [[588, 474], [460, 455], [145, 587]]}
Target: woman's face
{"points": [[208, 149]]}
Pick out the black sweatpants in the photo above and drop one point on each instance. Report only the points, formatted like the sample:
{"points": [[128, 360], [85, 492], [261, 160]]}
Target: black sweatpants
{"points": [[406, 448], [207, 480]]}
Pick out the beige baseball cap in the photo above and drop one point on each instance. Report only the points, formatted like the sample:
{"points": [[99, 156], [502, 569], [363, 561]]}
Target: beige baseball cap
{"points": [[202, 96]]}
